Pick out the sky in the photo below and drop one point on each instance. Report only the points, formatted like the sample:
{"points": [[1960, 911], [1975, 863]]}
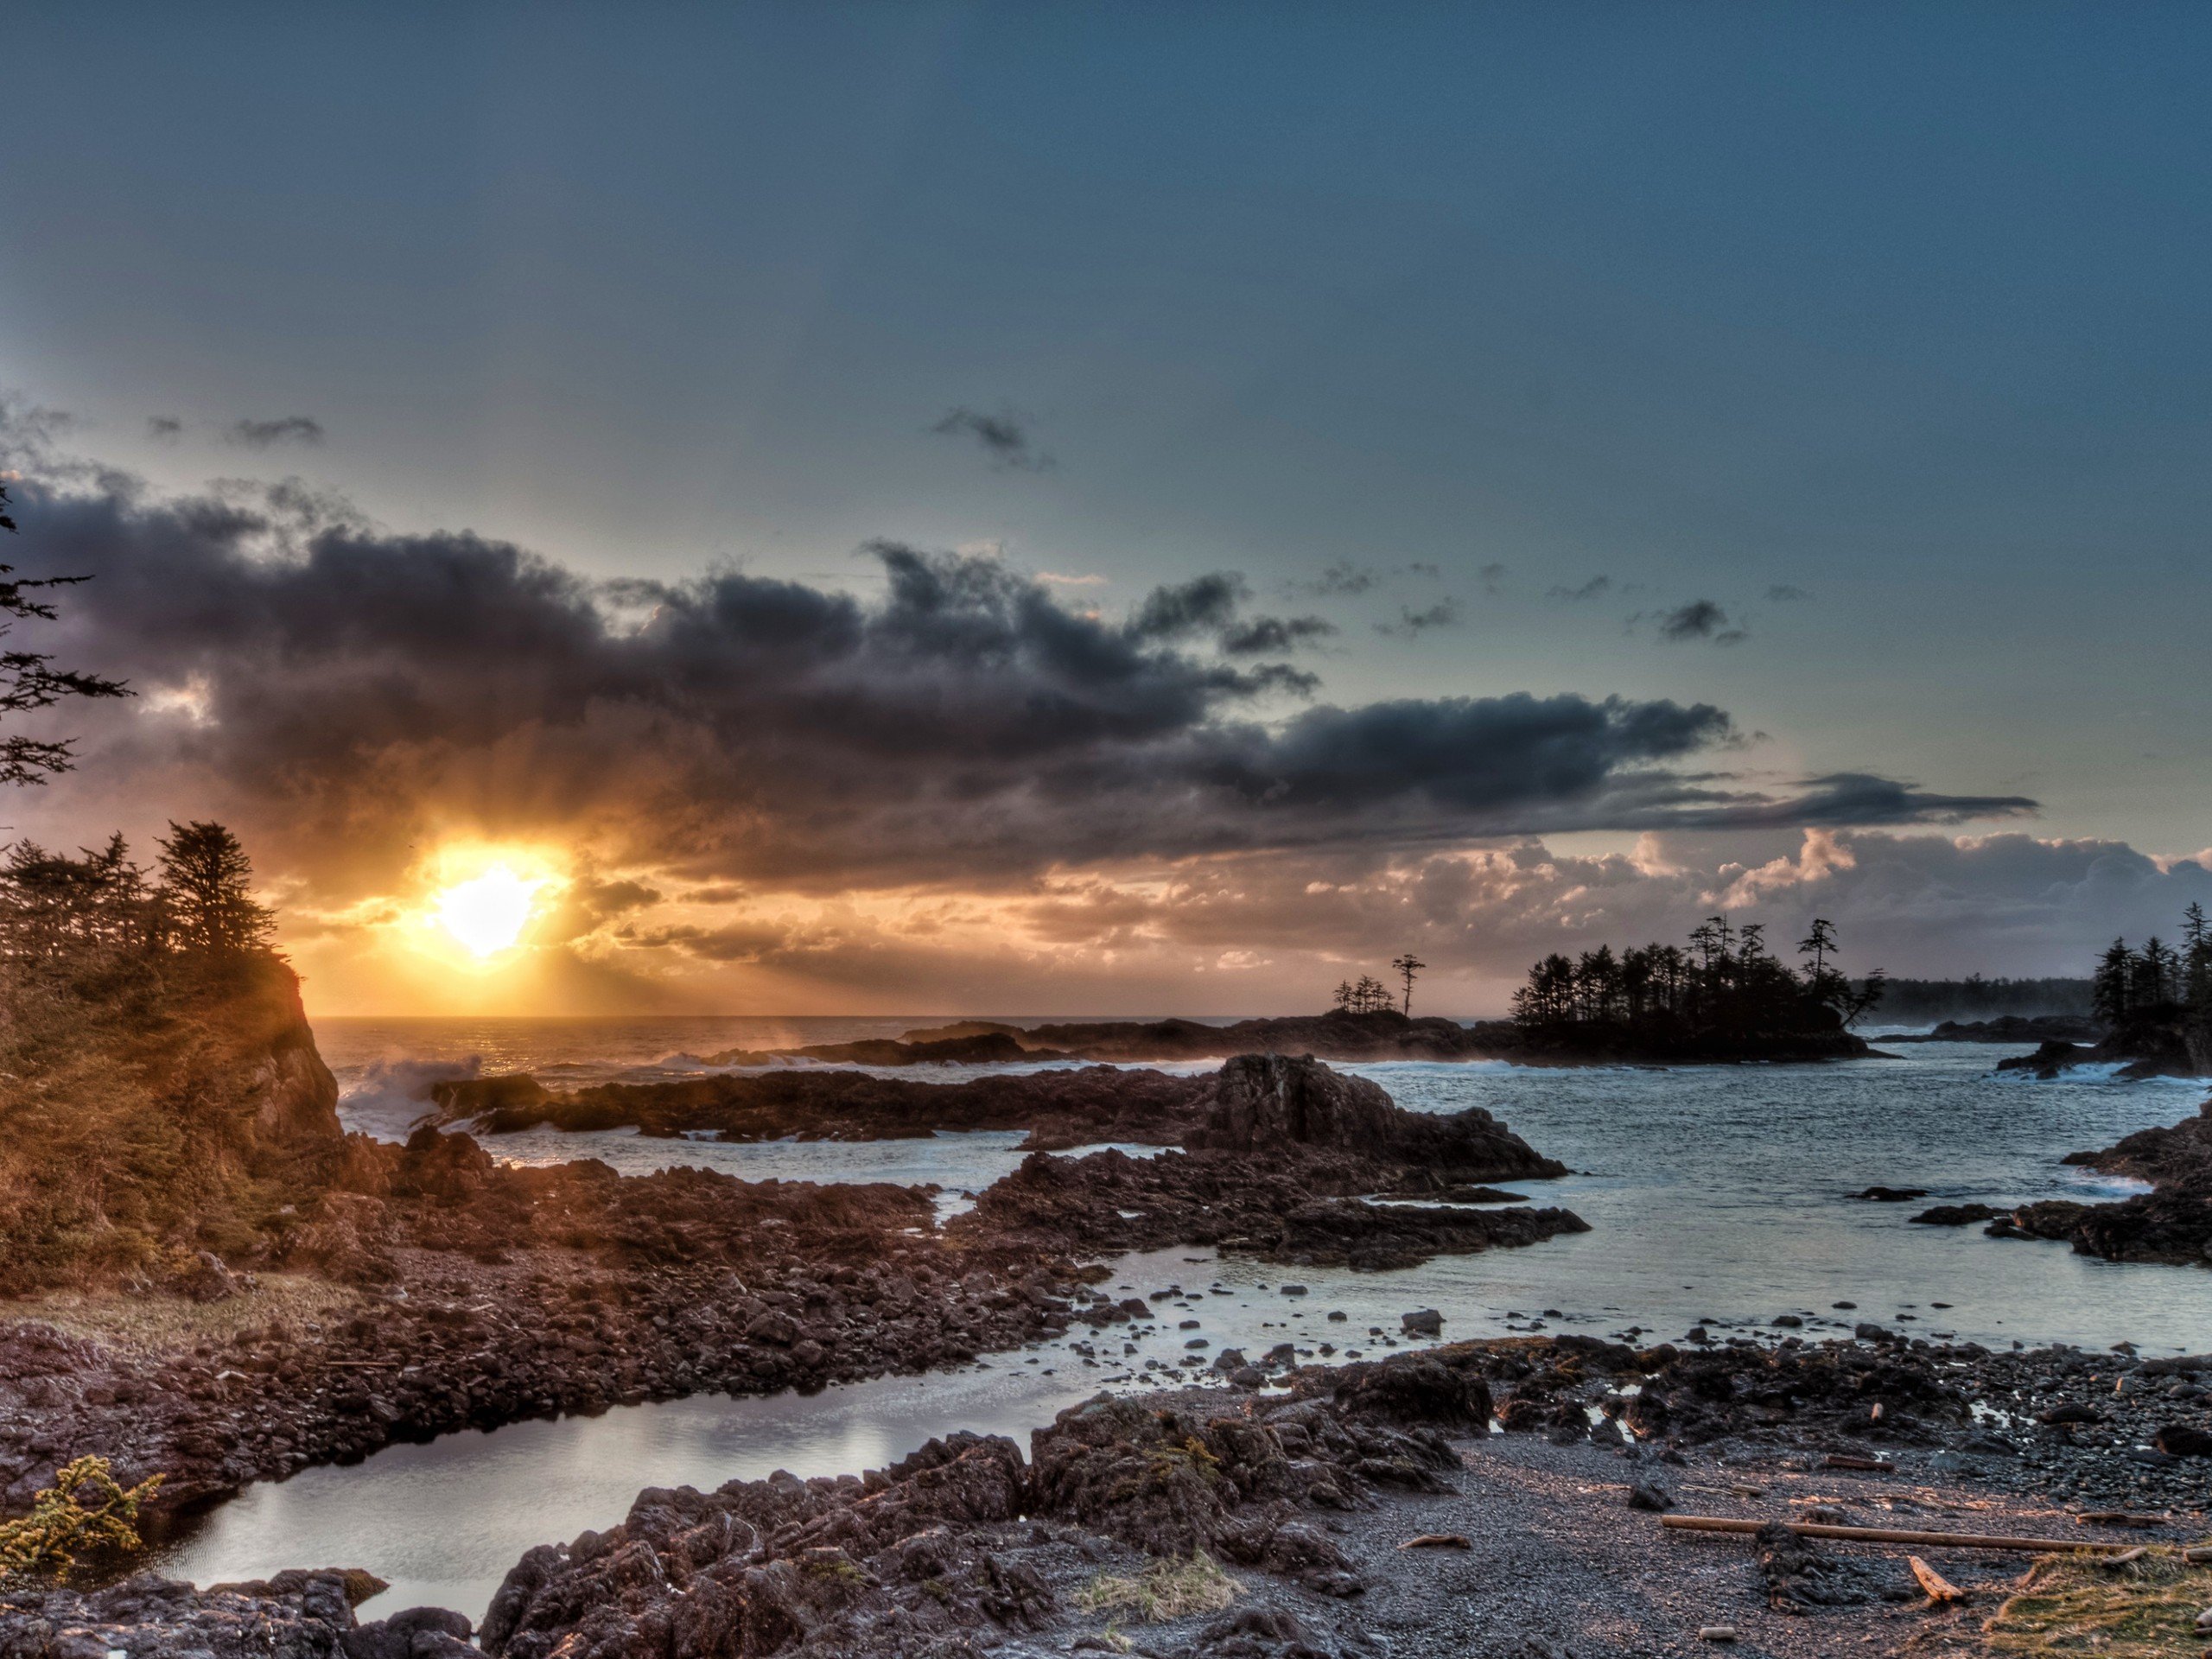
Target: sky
{"points": [[1103, 508]]}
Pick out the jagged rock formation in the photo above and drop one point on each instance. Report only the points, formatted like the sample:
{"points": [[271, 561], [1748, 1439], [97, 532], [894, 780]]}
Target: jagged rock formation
{"points": [[2173, 1223], [1259, 1102], [931, 1555], [2178, 1048]]}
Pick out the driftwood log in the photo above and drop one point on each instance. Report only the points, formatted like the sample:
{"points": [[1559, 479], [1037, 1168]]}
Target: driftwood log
{"points": [[1900, 1536]]}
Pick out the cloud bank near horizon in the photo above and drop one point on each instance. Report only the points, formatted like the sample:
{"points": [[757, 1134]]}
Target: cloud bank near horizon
{"points": [[958, 767]]}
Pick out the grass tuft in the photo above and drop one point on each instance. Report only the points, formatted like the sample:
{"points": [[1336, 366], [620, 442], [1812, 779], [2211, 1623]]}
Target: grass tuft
{"points": [[1163, 1591], [2074, 1604]]}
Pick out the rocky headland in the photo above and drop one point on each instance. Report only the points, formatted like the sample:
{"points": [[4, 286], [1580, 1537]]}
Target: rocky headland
{"points": [[2159, 1049]]}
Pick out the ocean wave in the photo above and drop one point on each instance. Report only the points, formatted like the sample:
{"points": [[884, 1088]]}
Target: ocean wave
{"points": [[386, 1098]]}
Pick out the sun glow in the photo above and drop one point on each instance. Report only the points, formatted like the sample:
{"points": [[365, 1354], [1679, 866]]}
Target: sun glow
{"points": [[487, 914]]}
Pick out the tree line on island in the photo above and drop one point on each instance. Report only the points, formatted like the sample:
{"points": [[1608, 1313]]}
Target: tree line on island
{"points": [[2156, 999], [2156, 981], [1726, 981], [1725, 995]]}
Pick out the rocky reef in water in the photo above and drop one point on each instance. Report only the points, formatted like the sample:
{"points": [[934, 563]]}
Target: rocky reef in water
{"points": [[2162, 1048], [1339, 1034], [1385, 1034], [2170, 1225], [1275, 1166], [1057, 1108], [2011, 1028], [1257, 1103]]}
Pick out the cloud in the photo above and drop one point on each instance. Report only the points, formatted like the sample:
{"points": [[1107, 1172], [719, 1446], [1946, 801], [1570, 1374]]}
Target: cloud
{"points": [[357, 693], [1262, 635], [1782, 594], [1198, 606], [1411, 624], [1004, 437], [163, 428], [267, 435], [1591, 589], [1134, 935], [1492, 576], [1341, 580], [1345, 579], [1700, 619], [1053, 579]]}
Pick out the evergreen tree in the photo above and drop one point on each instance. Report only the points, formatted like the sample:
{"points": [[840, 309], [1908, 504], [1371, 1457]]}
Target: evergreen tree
{"points": [[29, 680], [207, 892], [2112, 988], [1407, 966], [2196, 957]]}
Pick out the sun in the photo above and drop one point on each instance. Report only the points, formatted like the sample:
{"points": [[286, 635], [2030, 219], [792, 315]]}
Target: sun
{"points": [[487, 913]]}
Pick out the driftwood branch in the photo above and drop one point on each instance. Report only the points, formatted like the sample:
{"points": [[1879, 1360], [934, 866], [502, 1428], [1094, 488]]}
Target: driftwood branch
{"points": [[1938, 1588], [1899, 1536]]}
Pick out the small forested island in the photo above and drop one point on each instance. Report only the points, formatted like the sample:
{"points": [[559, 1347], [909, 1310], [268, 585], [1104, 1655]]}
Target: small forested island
{"points": [[1727, 997], [2153, 1002]]}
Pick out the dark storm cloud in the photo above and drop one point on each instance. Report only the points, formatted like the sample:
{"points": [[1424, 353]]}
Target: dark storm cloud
{"points": [[1412, 624], [1588, 590], [1265, 635], [163, 428], [267, 435], [339, 689], [1701, 618], [1854, 800], [1004, 437]]}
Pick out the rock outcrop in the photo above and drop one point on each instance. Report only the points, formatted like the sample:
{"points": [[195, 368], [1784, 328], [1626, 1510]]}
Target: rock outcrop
{"points": [[1260, 1104], [2170, 1224], [295, 1615], [963, 1543], [1059, 1108]]}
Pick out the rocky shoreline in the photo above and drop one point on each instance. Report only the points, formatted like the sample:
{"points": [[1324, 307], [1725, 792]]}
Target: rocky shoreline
{"points": [[2171, 1224], [1492, 1497], [475, 1294]]}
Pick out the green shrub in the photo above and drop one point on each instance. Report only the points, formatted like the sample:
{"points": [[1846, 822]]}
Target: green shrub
{"points": [[84, 1508]]}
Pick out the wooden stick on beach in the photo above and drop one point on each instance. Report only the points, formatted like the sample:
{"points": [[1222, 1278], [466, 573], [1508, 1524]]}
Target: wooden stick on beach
{"points": [[1898, 1536], [1938, 1588]]}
